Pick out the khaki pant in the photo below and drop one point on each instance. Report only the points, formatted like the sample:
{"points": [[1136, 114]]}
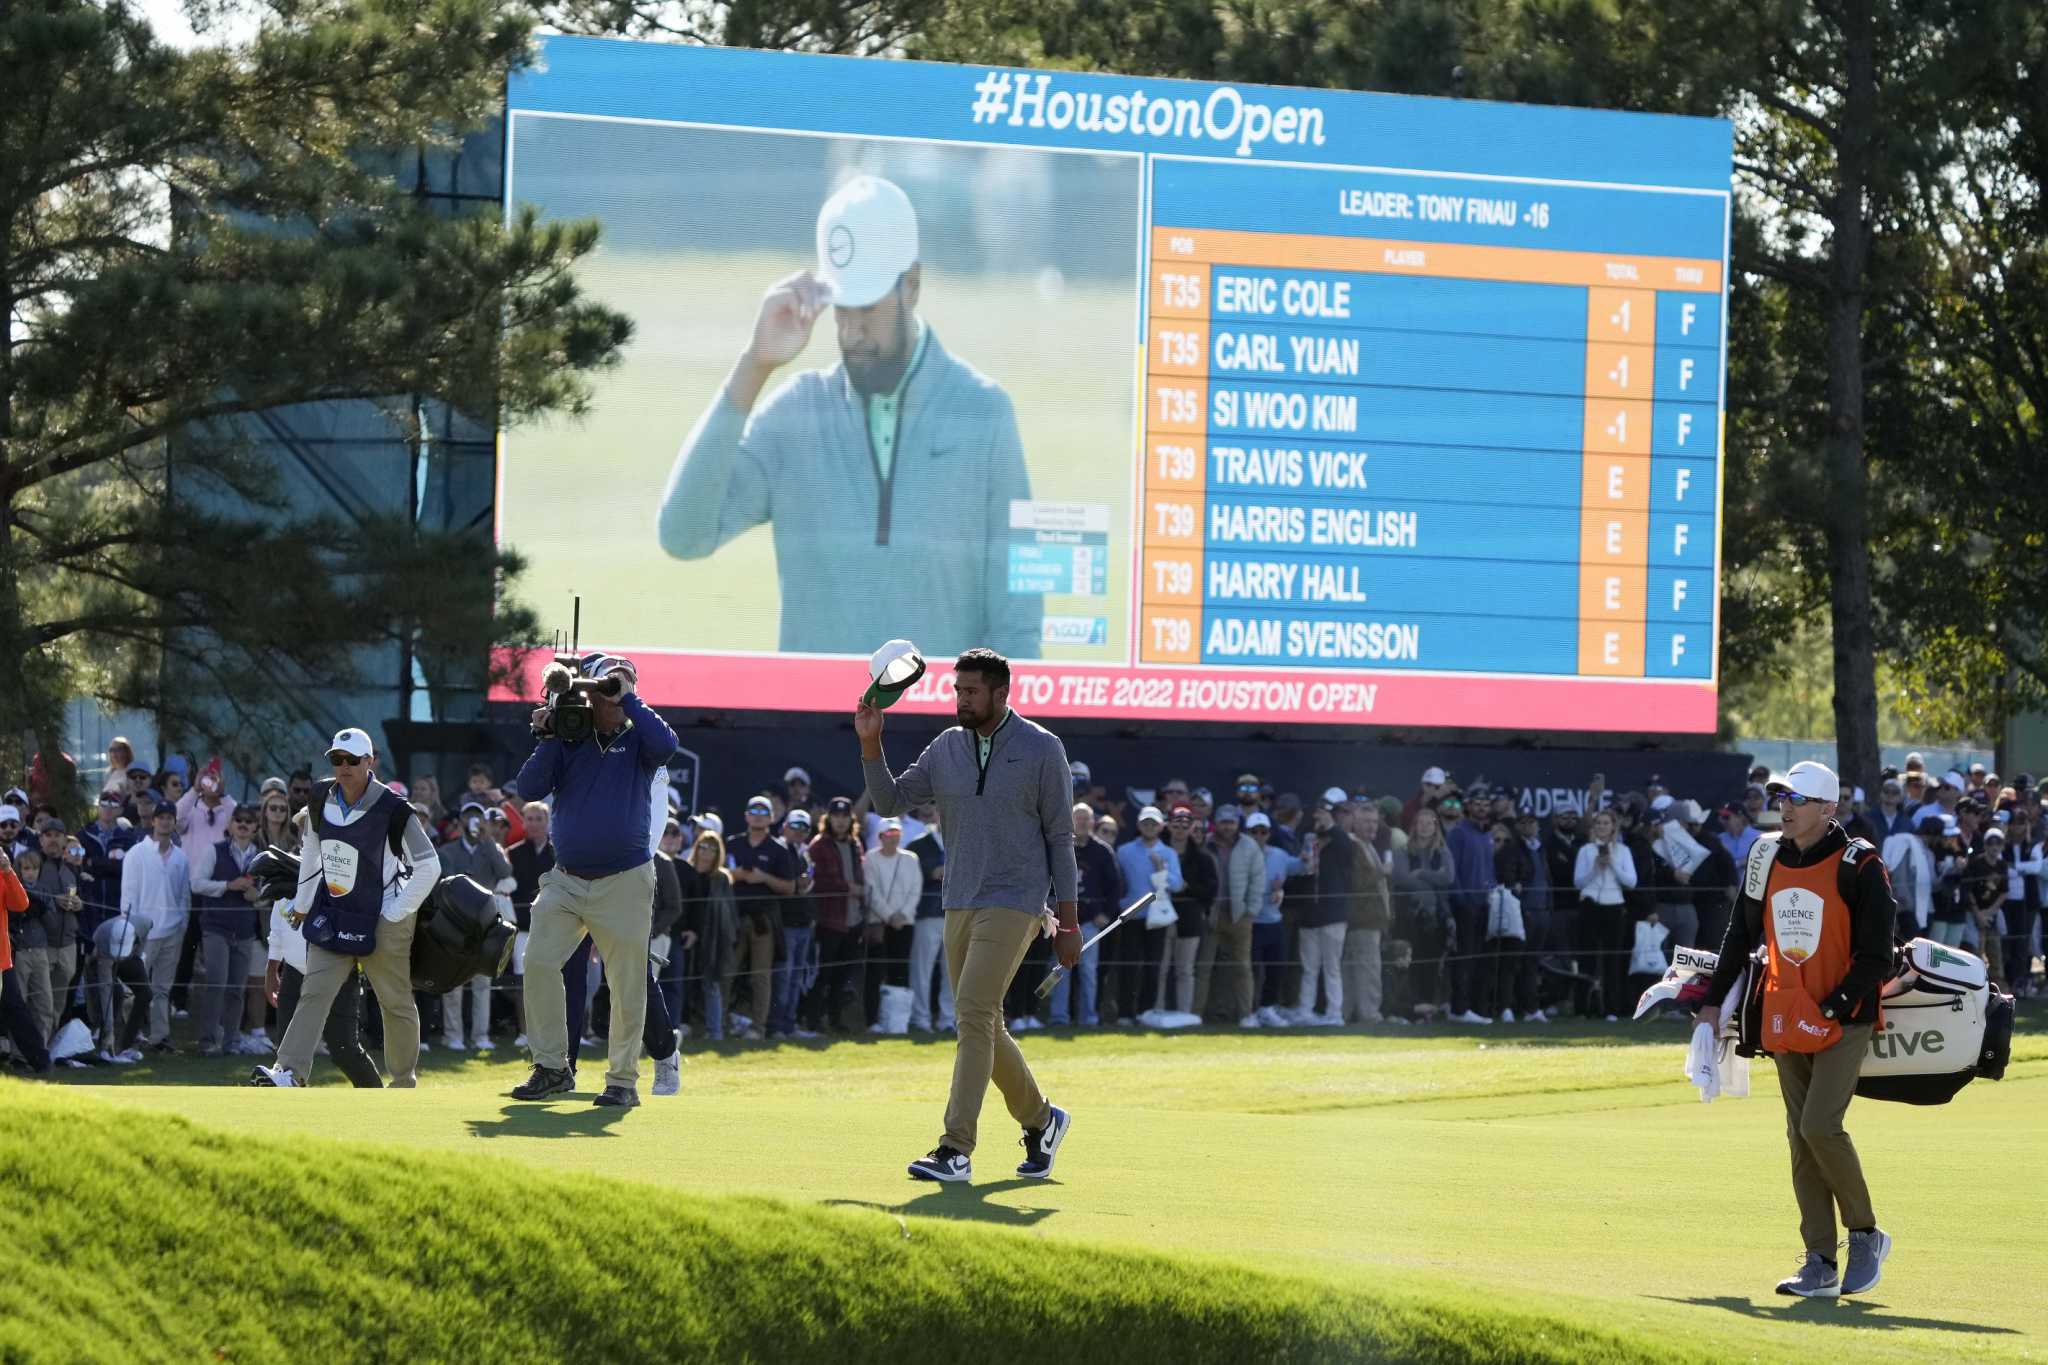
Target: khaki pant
{"points": [[38, 969], [618, 914], [1817, 1087], [1223, 972], [984, 948], [160, 960], [1362, 976], [389, 971], [759, 950], [1322, 960]]}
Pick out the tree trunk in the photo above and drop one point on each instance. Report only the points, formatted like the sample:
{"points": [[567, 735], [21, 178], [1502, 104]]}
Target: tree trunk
{"points": [[1848, 477]]}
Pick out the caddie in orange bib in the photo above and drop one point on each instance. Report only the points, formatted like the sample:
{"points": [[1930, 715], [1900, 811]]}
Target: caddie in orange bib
{"points": [[1819, 904]]}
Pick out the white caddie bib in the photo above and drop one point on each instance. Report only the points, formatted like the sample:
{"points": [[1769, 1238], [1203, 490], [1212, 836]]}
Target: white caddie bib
{"points": [[1795, 917], [340, 864]]}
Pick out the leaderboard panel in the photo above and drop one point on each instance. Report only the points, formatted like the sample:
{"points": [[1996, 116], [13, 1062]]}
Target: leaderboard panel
{"points": [[1202, 400], [1414, 422]]}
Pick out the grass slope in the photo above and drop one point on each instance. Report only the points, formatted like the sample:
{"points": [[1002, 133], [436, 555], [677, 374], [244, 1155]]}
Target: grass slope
{"points": [[1559, 1174], [138, 1236]]}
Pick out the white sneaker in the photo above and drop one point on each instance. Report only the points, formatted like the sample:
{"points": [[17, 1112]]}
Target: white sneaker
{"points": [[426, 1047], [1401, 1019], [130, 1057], [1507, 1016], [1271, 1017], [668, 1074], [875, 1027], [1468, 1017], [1324, 1021], [1251, 1020], [805, 1033], [520, 1041], [279, 1076], [1612, 1019], [735, 1022], [452, 1044], [1538, 1017]]}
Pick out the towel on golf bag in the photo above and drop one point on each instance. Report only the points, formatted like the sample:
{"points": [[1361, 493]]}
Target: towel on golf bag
{"points": [[460, 935], [1714, 1067]]}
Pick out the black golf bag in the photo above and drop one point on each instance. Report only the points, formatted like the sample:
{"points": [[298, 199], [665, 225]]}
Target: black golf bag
{"points": [[460, 935]]}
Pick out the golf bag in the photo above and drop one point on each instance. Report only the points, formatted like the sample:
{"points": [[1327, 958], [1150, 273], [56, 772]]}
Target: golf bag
{"points": [[1940, 1026], [460, 935]]}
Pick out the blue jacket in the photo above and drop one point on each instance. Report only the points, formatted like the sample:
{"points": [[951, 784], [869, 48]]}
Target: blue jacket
{"points": [[602, 793], [1471, 859]]}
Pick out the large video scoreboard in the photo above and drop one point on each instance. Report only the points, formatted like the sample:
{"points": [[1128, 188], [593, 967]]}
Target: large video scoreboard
{"points": [[1424, 424]]}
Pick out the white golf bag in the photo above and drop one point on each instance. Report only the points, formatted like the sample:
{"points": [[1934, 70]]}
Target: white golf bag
{"points": [[1943, 1026]]}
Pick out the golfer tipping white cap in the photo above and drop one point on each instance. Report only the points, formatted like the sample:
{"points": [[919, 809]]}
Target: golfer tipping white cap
{"points": [[867, 238]]}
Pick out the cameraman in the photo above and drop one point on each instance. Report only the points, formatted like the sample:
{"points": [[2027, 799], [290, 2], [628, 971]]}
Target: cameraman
{"points": [[602, 883]]}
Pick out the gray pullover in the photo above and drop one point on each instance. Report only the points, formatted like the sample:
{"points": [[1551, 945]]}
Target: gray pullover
{"points": [[1009, 831]]}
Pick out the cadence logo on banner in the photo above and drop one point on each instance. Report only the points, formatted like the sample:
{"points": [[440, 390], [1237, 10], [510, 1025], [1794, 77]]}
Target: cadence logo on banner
{"points": [[1034, 102]]}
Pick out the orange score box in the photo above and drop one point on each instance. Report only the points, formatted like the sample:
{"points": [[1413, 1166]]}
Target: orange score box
{"points": [[1617, 594], [1173, 463], [1174, 521], [1168, 636], [1616, 483], [1611, 649], [1181, 405], [1614, 370], [1171, 578], [1176, 248], [1613, 540], [1180, 346], [1617, 426], [1180, 289], [1623, 315]]}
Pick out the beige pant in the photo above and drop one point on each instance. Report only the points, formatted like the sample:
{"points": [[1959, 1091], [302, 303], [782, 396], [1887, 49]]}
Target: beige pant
{"points": [[44, 973], [160, 960], [760, 954], [984, 948], [618, 914], [1362, 976], [1817, 1088], [389, 969]]}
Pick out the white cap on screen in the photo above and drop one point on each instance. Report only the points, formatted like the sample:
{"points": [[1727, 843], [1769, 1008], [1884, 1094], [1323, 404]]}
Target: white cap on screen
{"points": [[867, 238]]}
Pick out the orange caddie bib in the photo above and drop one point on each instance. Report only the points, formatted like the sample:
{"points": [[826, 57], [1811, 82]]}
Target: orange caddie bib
{"points": [[1806, 929]]}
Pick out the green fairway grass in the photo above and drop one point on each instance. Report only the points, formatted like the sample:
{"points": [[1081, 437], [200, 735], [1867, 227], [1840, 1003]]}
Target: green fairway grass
{"points": [[1485, 1182]]}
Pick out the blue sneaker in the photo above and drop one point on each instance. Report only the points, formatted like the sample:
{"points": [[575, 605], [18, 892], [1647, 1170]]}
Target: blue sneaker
{"points": [[1041, 1143], [942, 1164]]}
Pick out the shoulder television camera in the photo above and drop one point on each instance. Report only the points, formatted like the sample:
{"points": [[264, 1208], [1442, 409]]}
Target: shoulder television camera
{"points": [[566, 690]]}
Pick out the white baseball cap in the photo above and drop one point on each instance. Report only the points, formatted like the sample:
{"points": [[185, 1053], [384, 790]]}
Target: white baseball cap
{"points": [[1662, 803], [1815, 781], [867, 238], [1952, 778], [892, 825], [352, 741], [1151, 813], [797, 775], [1258, 819], [10, 813], [1432, 777], [1336, 796]]}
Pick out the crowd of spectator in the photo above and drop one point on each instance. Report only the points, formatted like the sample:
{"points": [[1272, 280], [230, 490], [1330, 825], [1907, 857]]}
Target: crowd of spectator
{"points": [[811, 915]]}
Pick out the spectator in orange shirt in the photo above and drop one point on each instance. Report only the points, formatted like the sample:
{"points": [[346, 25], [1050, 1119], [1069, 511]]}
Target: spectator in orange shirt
{"points": [[15, 1017]]}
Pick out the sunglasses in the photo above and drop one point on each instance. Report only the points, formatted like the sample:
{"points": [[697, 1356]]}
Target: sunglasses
{"points": [[343, 760], [1794, 799]]}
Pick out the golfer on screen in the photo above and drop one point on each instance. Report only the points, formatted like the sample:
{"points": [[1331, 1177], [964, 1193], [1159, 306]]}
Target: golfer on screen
{"points": [[1005, 793], [898, 464]]}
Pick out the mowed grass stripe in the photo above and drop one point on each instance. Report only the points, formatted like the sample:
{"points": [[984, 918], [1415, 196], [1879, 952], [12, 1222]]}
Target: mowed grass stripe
{"points": [[1575, 1175], [152, 1238]]}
